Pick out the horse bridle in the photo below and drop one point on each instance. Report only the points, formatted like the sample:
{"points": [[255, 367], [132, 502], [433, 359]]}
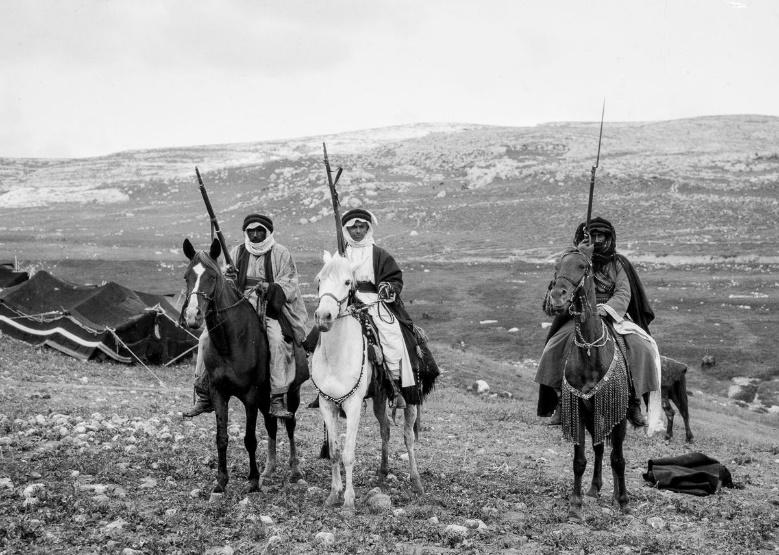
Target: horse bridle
{"points": [[339, 302], [210, 300], [576, 286]]}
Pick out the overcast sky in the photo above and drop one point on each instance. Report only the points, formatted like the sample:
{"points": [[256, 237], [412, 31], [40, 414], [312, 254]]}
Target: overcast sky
{"points": [[85, 78]]}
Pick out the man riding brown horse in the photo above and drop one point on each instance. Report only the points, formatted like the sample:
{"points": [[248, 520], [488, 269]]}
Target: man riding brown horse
{"points": [[621, 298], [266, 274]]}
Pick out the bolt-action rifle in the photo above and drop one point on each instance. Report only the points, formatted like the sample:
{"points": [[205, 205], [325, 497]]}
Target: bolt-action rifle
{"points": [[214, 223], [592, 177], [339, 233]]}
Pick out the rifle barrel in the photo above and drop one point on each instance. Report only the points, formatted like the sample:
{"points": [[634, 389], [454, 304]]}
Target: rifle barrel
{"points": [[339, 233], [212, 216], [592, 175]]}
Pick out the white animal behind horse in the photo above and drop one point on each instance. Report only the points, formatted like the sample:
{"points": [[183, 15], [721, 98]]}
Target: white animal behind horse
{"points": [[342, 372]]}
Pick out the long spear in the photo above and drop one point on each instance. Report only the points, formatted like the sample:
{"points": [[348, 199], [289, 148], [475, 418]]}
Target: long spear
{"points": [[592, 176], [339, 232]]}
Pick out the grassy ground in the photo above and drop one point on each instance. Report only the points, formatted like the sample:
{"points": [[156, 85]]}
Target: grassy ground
{"points": [[137, 477]]}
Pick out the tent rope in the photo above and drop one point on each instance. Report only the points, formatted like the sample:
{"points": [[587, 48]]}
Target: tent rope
{"points": [[122, 343]]}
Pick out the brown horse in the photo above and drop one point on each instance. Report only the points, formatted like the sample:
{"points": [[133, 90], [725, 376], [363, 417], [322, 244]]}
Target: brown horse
{"points": [[236, 357], [595, 385]]}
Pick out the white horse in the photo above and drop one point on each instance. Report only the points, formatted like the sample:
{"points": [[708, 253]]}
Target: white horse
{"points": [[342, 373]]}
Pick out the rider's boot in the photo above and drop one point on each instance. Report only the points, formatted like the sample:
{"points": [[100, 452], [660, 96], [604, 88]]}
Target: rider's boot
{"points": [[397, 401], [635, 415], [556, 419], [278, 408], [203, 405]]}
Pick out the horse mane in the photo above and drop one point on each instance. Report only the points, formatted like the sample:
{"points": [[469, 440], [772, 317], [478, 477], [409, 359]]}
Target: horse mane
{"points": [[336, 265]]}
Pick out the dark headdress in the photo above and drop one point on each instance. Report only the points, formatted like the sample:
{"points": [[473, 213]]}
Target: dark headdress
{"points": [[639, 309], [264, 221]]}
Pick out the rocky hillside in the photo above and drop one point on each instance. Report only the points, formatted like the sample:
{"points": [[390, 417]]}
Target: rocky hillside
{"points": [[697, 190]]}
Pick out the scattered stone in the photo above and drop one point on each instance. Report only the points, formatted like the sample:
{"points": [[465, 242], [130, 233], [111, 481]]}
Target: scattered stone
{"points": [[399, 513], [32, 489], [380, 502], [129, 551], [84, 380], [313, 491], [265, 519], [324, 538], [6, 483], [220, 550], [456, 531], [215, 497], [481, 387], [475, 523], [5, 441], [433, 520], [195, 493], [656, 522], [118, 524], [273, 540], [489, 511], [171, 512], [403, 456]]}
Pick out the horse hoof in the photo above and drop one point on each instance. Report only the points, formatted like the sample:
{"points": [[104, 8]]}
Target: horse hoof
{"points": [[332, 500], [625, 510], [416, 487], [690, 439], [218, 489], [254, 486], [295, 477], [576, 515], [594, 493]]}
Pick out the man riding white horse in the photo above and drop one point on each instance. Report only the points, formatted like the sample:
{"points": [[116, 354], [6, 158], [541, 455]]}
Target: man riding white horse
{"points": [[266, 273], [622, 300]]}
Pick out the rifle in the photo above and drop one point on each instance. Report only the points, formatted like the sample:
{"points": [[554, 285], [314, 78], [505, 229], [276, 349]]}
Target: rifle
{"points": [[592, 177], [339, 232], [214, 223]]}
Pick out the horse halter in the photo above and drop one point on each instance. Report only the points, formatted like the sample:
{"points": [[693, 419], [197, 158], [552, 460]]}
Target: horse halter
{"points": [[339, 302]]}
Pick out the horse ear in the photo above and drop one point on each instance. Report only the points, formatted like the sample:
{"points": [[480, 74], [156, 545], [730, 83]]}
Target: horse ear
{"points": [[326, 257], [586, 250], [189, 250], [216, 249]]}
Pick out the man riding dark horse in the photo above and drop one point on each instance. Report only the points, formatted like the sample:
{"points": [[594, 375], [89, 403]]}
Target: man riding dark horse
{"points": [[622, 302], [266, 274]]}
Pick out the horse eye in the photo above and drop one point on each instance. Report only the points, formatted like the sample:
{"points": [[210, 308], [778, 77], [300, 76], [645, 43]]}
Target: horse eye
{"points": [[348, 282]]}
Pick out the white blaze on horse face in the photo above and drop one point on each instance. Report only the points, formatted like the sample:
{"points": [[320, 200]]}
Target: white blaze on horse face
{"points": [[192, 306]]}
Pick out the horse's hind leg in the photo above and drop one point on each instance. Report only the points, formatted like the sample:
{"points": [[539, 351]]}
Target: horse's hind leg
{"points": [[669, 414], [597, 472], [380, 411], [250, 442], [220, 410], [272, 427], [330, 415], [409, 436], [618, 466]]}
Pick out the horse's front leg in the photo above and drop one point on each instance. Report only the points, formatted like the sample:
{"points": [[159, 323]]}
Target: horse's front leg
{"points": [[352, 408], [250, 442], [294, 463], [272, 427], [410, 437], [380, 411], [220, 411], [579, 465], [329, 412], [597, 473], [618, 466]]}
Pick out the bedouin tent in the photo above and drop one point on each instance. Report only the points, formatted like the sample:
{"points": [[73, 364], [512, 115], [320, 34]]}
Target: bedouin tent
{"points": [[10, 277], [94, 322]]}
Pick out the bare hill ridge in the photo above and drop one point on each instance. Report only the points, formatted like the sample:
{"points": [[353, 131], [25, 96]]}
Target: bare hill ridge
{"points": [[469, 191]]}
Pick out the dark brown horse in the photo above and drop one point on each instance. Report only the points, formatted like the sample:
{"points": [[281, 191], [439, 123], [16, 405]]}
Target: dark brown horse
{"points": [[236, 357], [595, 385]]}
